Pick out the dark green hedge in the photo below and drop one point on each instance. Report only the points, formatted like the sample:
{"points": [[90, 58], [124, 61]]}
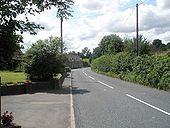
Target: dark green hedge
{"points": [[153, 71]]}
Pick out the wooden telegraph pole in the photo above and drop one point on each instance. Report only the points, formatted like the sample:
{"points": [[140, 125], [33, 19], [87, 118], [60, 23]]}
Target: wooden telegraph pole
{"points": [[137, 29], [61, 19]]}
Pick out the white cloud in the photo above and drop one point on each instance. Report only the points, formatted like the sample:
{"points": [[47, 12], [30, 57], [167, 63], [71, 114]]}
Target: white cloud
{"points": [[164, 4], [96, 19]]}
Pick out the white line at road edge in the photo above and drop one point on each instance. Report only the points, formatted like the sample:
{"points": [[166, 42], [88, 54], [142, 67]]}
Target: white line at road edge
{"points": [[167, 113], [105, 84], [91, 77], [72, 118]]}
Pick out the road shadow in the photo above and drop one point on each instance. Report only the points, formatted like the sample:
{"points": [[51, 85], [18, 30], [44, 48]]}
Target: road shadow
{"points": [[66, 90], [76, 90]]}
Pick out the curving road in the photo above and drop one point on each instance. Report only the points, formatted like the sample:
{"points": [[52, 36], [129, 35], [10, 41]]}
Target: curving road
{"points": [[104, 102]]}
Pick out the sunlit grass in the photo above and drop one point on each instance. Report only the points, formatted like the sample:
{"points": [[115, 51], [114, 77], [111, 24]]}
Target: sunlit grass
{"points": [[12, 77]]}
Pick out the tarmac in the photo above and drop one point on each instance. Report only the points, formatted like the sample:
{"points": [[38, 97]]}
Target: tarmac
{"points": [[49, 109]]}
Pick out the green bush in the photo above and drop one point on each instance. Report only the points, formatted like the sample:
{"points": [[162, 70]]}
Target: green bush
{"points": [[43, 65], [67, 69], [43, 60], [153, 71]]}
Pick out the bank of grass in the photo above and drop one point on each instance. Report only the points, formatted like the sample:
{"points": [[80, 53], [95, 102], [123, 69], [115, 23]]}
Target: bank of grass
{"points": [[8, 77]]}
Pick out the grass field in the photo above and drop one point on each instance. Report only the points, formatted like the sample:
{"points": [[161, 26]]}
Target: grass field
{"points": [[12, 77]]}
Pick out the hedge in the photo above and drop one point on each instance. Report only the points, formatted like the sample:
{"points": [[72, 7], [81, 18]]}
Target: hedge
{"points": [[148, 70]]}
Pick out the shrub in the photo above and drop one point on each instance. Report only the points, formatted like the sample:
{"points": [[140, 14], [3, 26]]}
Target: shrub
{"points": [[148, 70], [43, 60], [43, 65]]}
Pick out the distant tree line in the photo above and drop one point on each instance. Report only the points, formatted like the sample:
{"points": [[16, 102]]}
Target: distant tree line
{"points": [[84, 54], [113, 44]]}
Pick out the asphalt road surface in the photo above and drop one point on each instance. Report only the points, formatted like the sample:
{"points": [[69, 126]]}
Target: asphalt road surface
{"points": [[104, 102]]}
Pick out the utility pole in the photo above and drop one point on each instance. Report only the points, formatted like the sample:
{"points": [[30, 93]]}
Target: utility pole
{"points": [[61, 19], [137, 38]]}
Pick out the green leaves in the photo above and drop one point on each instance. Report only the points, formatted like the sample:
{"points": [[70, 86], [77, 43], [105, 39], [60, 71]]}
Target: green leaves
{"points": [[43, 59], [111, 44], [153, 71]]}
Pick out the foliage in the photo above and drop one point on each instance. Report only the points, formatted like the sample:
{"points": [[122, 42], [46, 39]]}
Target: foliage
{"points": [[168, 45], [10, 43], [12, 77], [86, 63], [130, 45], [153, 71], [57, 76], [9, 24], [7, 119], [43, 59], [111, 44], [85, 53], [96, 53], [67, 69]]}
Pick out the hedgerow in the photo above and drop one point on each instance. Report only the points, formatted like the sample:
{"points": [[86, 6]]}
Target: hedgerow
{"points": [[148, 70]]}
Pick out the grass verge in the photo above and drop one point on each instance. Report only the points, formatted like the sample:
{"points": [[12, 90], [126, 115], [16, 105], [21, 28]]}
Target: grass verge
{"points": [[8, 77]]}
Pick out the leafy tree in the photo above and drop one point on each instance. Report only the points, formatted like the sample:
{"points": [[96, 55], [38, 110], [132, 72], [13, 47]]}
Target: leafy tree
{"points": [[130, 45], [158, 46], [111, 44], [157, 43], [86, 52], [43, 59], [168, 45], [72, 53], [10, 9], [96, 53]]}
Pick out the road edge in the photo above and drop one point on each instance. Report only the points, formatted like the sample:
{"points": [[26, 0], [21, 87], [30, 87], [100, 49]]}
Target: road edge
{"points": [[72, 118]]}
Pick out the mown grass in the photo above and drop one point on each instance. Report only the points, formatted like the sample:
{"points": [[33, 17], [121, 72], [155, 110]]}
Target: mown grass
{"points": [[86, 60], [12, 77]]}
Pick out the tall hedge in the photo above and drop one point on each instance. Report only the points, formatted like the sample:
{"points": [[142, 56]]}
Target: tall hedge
{"points": [[153, 71]]}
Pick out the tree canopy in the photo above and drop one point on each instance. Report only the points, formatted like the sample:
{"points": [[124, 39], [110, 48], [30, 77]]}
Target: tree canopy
{"points": [[43, 59], [9, 25], [111, 44]]}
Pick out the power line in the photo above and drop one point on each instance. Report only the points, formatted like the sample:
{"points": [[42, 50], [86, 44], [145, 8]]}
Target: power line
{"points": [[129, 15]]}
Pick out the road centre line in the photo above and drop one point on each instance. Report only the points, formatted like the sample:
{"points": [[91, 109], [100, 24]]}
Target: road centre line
{"points": [[167, 113], [91, 77], [105, 84], [84, 73]]}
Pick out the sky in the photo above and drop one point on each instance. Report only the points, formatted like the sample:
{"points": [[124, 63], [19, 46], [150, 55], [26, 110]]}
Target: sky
{"points": [[96, 18]]}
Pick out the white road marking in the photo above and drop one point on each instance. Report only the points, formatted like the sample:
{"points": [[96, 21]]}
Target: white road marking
{"points": [[72, 118], [91, 77], [167, 113], [84, 73], [105, 84]]}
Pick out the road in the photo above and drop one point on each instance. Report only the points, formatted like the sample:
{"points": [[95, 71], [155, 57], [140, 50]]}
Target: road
{"points": [[104, 102]]}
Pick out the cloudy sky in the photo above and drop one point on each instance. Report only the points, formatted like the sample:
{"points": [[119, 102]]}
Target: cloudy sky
{"points": [[93, 19]]}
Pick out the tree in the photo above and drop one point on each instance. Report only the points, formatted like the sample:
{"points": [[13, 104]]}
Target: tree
{"points": [[111, 44], [43, 59], [96, 53], [130, 45], [9, 25], [158, 46], [72, 53], [157, 43], [86, 52], [168, 45]]}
